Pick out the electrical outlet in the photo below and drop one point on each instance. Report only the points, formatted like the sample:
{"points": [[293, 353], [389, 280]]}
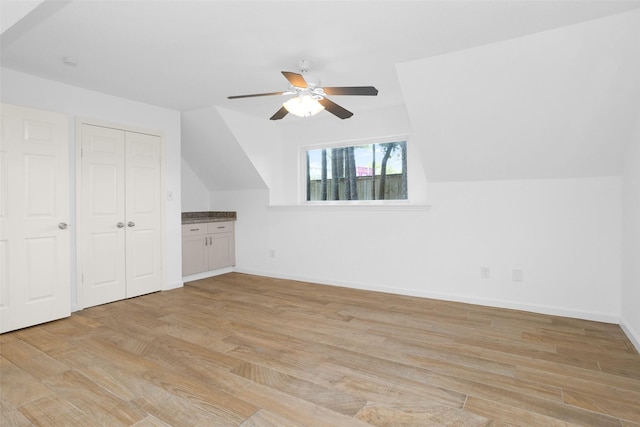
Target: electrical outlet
{"points": [[517, 275], [485, 273]]}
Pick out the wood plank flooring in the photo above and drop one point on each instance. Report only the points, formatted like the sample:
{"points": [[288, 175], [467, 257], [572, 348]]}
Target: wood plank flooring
{"points": [[241, 350]]}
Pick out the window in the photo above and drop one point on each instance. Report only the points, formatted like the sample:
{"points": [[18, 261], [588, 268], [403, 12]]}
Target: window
{"points": [[376, 171]]}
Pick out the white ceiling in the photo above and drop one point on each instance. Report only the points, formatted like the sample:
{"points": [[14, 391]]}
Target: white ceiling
{"points": [[190, 55], [193, 54]]}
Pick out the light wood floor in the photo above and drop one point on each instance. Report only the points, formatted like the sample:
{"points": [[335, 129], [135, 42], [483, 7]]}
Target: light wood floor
{"points": [[240, 350]]}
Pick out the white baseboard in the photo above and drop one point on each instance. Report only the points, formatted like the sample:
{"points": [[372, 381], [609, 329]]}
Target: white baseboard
{"points": [[550, 310], [631, 333], [206, 274], [173, 286]]}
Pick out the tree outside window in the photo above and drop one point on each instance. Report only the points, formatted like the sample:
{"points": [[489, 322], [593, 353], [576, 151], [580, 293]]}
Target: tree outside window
{"points": [[359, 172]]}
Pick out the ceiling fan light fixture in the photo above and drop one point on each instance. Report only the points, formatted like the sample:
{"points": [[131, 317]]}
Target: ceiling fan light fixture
{"points": [[310, 97], [303, 105]]}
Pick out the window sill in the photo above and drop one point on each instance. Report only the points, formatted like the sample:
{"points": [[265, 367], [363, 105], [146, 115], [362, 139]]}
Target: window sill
{"points": [[359, 206]]}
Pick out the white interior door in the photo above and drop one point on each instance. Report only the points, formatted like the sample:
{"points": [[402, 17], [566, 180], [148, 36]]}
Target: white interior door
{"points": [[35, 277], [103, 215], [143, 214]]}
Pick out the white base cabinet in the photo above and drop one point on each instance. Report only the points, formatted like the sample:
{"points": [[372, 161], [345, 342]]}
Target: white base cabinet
{"points": [[208, 246]]}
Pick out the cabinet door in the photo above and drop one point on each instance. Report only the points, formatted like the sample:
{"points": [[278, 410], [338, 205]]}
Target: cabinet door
{"points": [[195, 254], [221, 251]]}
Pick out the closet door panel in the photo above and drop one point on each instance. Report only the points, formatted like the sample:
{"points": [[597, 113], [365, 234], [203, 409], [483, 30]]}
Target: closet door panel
{"points": [[103, 215], [144, 214]]}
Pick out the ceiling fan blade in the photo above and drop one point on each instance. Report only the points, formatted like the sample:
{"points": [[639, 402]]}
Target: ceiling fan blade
{"points": [[295, 79], [351, 90], [279, 114], [335, 109], [255, 94]]}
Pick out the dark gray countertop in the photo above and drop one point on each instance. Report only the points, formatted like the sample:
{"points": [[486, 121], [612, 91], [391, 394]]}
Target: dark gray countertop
{"points": [[208, 216]]}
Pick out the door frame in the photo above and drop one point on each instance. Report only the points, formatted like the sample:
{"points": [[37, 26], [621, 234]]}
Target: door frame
{"points": [[78, 211]]}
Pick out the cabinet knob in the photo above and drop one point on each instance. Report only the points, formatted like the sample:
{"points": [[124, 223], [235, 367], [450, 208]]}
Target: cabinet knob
{"points": [[131, 224], [120, 224], [63, 226]]}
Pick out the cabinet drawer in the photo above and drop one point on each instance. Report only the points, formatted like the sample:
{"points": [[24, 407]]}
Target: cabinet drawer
{"points": [[221, 227], [194, 229]]}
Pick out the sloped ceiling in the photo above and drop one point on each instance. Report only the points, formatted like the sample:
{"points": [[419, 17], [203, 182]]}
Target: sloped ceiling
{"points": [[560, 103], [213, 152], [190, 55]]}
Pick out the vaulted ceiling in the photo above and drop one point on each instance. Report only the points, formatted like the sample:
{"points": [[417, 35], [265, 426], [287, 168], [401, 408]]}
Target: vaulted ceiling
{"points": [[491, 89]]}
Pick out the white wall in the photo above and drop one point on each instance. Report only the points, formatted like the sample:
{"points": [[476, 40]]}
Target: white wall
{"points": [[631, 240], [195, 195], [565, 235], [30, 91], [13, 12]]}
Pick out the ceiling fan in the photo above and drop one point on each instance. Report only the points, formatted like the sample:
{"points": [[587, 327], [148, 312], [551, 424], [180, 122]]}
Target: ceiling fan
{"points": [[310, 98]]}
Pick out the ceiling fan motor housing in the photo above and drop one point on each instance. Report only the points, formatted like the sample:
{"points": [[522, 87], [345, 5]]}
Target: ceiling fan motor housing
{"points": [[304, 66]]}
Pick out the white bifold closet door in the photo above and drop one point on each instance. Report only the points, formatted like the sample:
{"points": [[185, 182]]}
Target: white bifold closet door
{"points": [[35, 242], [121, 238]]}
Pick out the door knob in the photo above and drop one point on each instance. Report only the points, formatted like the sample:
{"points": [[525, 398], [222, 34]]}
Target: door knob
{"points": [[63, 226], [120, 224], [131, 224]]}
